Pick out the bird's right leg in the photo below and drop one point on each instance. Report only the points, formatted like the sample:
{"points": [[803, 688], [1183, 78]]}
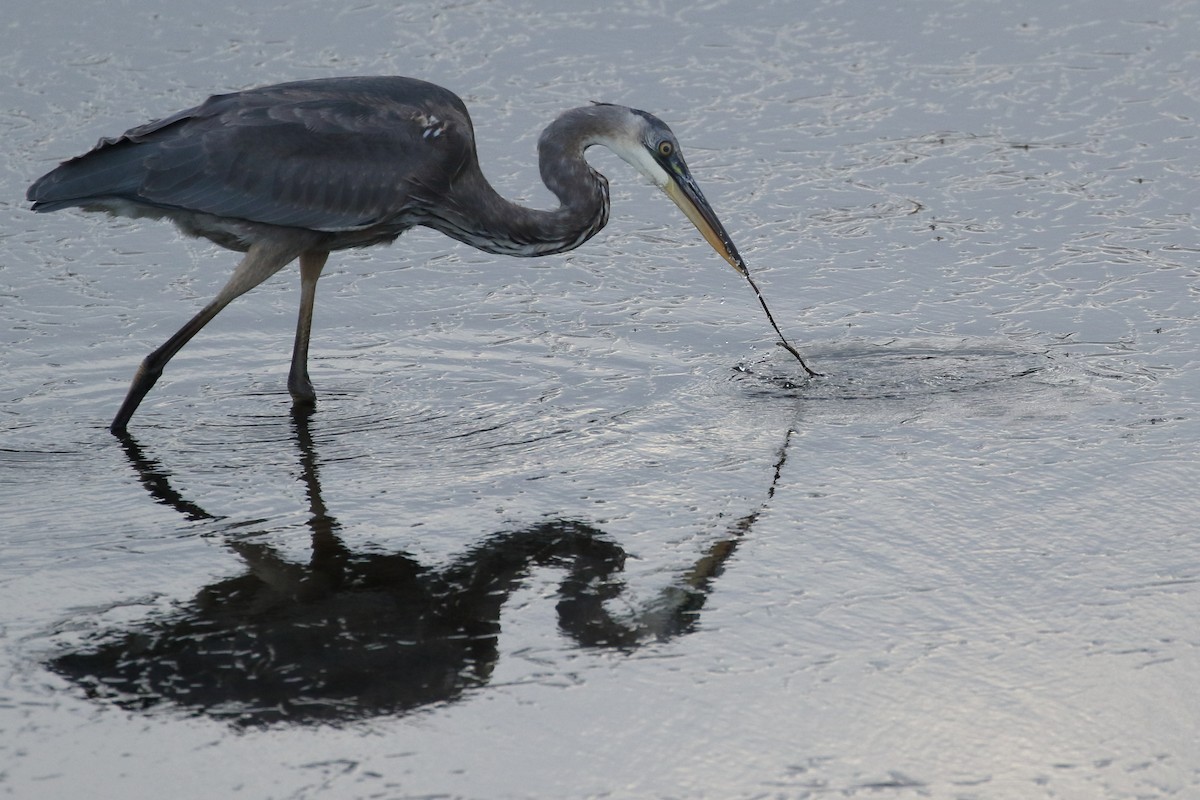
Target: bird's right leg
{"points": [[262, 261], [299, 385]]}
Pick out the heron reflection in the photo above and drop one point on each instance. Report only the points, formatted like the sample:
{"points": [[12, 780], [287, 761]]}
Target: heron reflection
{"points": [[345, 635]]}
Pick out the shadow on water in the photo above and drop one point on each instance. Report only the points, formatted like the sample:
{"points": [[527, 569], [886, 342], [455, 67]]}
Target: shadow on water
{"points": [[351, 636]]}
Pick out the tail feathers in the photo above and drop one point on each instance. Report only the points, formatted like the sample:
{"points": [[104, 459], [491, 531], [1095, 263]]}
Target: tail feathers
{"points": [[113, 170]]}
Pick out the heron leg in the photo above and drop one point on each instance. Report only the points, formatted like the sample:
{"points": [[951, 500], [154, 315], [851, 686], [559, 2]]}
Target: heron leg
{"points": [[262, 261], [299, 385]]}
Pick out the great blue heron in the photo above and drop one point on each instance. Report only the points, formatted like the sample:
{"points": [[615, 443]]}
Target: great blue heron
{"points": [[297, 170]]}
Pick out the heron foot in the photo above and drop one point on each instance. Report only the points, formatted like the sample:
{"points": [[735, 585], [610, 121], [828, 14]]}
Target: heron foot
{"points": [[302, 392], [144, 379]]}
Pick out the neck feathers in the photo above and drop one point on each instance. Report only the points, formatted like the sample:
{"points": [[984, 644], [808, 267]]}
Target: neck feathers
{"points": [[480, 217]]}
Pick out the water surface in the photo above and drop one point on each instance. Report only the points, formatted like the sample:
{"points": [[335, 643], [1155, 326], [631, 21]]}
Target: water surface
{"points": [[574, 527]]}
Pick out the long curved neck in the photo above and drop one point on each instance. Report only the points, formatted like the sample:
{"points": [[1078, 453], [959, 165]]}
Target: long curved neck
{"points": [[480, 217]]}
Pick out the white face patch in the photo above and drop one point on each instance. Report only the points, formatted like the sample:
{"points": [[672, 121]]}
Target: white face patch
{"points": [[634, 153]]}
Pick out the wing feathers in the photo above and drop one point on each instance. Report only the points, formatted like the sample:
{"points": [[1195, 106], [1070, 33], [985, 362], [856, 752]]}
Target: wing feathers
{"points": [[330, 155]]}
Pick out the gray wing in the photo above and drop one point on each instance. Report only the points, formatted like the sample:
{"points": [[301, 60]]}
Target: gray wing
{"points": [[329, 155]]}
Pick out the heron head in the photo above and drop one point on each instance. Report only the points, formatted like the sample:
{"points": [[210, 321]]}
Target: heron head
{"points": [[646, 143]]}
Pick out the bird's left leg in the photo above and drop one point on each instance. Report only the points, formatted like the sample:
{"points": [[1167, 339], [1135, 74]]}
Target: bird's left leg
{"points": [[299, 385], [262, 260]]}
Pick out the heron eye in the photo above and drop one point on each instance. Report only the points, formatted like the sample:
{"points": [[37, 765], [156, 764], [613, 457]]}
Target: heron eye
{"points": [[665, 149]]}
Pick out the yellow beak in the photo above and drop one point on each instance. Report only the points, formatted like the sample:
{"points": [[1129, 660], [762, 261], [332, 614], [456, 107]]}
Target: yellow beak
{"points": [[684, 192]]}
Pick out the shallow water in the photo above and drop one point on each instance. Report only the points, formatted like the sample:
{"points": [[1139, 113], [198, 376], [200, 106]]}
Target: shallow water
{"points": [[574, 526]]}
